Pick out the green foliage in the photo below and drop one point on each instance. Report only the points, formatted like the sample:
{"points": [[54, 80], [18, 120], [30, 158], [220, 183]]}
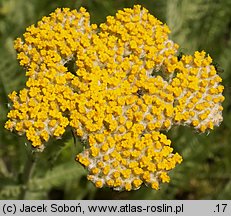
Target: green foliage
{"points": [[206, 170]]}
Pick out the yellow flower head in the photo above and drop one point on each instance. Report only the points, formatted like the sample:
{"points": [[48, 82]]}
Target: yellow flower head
{"points": [[40, 109], [127, 87]]}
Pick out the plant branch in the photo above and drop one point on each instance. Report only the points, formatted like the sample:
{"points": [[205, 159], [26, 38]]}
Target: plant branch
{"points": [[27, 173], [74, 137]]}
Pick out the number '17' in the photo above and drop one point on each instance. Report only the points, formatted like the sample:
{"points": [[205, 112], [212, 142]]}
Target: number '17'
{"points": [[221, 207]]}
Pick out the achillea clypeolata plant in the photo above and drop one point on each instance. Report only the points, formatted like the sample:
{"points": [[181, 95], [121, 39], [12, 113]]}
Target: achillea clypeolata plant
{"points": [[114, 99]]}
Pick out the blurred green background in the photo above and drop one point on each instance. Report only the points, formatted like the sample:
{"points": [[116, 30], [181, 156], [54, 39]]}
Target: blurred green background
{"points": [[206, 170]]}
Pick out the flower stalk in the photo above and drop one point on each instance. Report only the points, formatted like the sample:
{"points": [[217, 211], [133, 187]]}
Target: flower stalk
{"points": [[27, 174]]}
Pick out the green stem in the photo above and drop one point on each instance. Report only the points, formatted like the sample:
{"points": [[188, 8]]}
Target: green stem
{"points": [[74, 137], [27, 173]]}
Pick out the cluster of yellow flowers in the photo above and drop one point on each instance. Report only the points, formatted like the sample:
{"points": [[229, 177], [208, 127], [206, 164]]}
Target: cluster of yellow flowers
{"points": [[40, 110], [114, 99]]}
